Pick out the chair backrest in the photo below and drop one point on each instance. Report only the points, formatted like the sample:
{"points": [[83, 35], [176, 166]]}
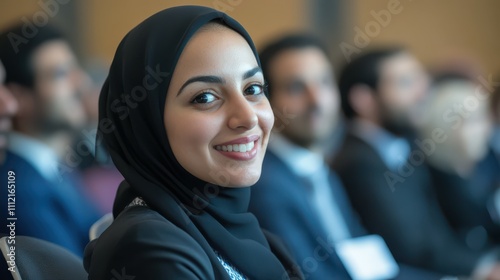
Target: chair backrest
{"points": [[33, 258], [100, 226]]}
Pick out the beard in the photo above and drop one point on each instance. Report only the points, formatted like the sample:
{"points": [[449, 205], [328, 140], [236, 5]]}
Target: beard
{"points": [[398, 127], [52, 126], [304, 140], [397, 122], [61, 115], [301, 132]]}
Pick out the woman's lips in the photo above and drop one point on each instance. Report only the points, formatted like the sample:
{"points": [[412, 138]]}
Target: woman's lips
{"points": [[240, 148], [244, 148]]}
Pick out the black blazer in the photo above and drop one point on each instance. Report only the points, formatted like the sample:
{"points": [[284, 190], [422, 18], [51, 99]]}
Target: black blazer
{"points": [[402, 207], [141, 243]]}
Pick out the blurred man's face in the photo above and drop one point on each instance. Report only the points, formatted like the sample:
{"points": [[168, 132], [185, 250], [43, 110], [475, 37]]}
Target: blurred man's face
{"points": [[402, 87], [475, 133], [8, 107], [57, 86], [496, 114], [304, 95]]}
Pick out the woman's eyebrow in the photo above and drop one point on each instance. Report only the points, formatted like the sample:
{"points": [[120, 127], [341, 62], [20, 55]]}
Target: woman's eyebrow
{"points": [[218, 80], [252, 72], [204, 79]]}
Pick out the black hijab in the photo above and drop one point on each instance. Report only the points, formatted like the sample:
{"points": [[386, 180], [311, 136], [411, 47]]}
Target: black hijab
{"points": [[131, 110]]}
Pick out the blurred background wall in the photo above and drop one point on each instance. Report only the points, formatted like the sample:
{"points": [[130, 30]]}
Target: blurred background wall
{"points": [[437, 31]]}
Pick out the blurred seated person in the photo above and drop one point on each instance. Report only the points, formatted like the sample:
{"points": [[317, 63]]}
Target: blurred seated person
{"points": [[460, 108], [488, 169], [99, 174], [495, 109], [43, 76], [8, 107], [383, 169], [298, 197]]}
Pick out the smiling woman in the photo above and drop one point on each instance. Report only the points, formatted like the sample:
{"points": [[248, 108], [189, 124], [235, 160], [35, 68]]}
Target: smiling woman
{"points": [[188, 151], [223, 108]]}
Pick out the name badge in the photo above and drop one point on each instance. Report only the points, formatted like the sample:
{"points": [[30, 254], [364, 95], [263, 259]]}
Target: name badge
{"points": [[367, 258]]}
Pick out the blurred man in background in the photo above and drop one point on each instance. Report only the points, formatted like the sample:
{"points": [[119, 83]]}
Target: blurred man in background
{"points": [[298, 197], [8, 107], [100, 176], [43, 75], [462, 169], [495, 110], [384, 172], [303, 96]]}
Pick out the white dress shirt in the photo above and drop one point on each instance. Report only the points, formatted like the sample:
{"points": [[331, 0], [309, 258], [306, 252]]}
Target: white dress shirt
{"points": [[313, 169]]}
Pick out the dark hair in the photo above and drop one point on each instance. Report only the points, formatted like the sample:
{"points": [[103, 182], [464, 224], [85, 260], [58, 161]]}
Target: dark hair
{"points": [[17, 48], [495, 103], [291, 41], [362, 70], [447, 76]]}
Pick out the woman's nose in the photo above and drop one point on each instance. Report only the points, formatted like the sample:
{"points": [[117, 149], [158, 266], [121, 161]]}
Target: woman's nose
{"points": [[241, 114]]}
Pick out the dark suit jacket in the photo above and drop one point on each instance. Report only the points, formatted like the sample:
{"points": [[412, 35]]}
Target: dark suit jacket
{"points": [[279, 200], [466, 203], [406, 215], [55, 212]]}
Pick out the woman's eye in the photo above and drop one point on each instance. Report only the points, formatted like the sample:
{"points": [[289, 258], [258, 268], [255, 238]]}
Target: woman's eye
{"points": [[204, 98], [254, 89]]}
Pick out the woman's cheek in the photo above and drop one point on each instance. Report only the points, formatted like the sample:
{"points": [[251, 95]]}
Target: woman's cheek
{"points": [[266, 116]]}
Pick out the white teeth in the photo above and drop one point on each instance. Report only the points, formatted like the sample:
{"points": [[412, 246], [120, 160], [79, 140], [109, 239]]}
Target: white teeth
{"points": [[250, 146], [242, 148]]}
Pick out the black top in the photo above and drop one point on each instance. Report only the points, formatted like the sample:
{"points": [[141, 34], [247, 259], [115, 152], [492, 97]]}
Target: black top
{"points": [[187, 219], [141, 243]]}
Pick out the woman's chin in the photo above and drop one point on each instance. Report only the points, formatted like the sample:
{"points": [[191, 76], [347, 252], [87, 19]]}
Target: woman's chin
{"points": [[243, 182]]}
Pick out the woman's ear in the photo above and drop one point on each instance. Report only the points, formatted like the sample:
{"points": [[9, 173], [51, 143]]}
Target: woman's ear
{"points": [[363, 102]]}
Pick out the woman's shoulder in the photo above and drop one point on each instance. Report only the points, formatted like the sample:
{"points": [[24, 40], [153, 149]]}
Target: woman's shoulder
{"points": [[142, 243], [139, 221]]}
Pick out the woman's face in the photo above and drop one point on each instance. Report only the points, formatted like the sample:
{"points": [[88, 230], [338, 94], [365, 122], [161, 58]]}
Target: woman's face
{"points": [[217, 117]]}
